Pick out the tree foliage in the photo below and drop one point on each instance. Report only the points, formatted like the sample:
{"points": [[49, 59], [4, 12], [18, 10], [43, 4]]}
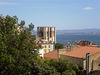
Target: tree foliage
{"points": [[59, 46], [31, 27], [64, 67], [15, 49], [22, 23], [69, 72]]}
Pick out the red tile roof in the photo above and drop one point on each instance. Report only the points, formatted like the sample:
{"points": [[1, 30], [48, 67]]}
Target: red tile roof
{"points": [[81, 51], [51, 55]]}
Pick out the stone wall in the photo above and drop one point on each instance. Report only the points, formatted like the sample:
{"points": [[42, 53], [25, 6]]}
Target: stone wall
{"points": [[92, 61], [61, 51], [75, 60], [95, 64]]}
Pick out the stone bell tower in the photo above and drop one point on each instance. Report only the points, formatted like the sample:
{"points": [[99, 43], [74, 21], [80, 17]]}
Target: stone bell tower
{"points": [[47, 33]]}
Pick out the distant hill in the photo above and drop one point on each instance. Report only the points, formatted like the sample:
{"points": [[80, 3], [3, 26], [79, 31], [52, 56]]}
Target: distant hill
{"points": [[77, 31]]}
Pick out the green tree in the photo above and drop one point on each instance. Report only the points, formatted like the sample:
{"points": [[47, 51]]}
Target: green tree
{"points": [[31, 27], [64, 67], [69, 72], [22, 23], [15, 18], [59, 46], [16, 55]]}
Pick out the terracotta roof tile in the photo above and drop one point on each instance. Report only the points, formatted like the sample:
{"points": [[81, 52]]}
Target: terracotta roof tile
{"points": [[81, 51], [51, 55]]}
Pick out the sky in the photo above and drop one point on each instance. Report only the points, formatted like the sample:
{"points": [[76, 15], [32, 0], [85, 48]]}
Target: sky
{"points": [[62, 14]]}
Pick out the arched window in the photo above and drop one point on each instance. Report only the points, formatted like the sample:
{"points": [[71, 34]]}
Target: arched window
{"points": [[49, 46]]}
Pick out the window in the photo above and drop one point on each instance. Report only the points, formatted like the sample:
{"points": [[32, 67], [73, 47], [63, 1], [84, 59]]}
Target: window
{"points": [[49, 46]]}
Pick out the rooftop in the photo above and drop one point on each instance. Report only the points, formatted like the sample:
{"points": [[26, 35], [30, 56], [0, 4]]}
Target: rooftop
{"points": [[81, 51], [51, 55], [85, 43]]}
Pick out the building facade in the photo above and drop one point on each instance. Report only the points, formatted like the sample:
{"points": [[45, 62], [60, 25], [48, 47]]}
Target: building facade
{"points": [[47, 33], [78, 56], [45, 46]]}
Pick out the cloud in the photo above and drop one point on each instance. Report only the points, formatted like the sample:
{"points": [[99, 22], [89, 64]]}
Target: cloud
{"points": [[7, 3], [88, 8]]}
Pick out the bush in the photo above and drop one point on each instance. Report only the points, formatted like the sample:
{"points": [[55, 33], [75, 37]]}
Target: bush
{"points": [[59, 46]]}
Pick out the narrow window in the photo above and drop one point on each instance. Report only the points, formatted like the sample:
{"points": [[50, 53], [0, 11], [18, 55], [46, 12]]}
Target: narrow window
{"points": [[49, 46]]}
